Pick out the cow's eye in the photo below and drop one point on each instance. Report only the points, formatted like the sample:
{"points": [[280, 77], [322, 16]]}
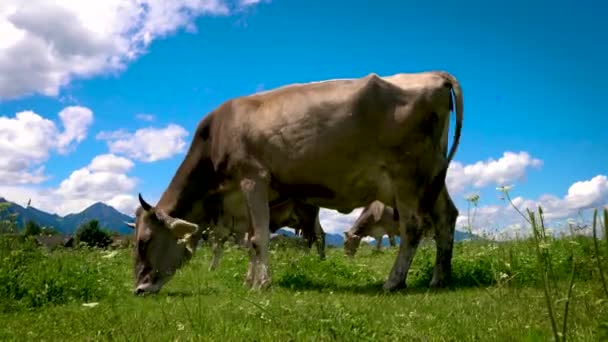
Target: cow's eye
{"points": [[142, 246]]}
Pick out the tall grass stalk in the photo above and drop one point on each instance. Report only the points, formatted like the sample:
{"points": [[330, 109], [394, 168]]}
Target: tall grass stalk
{"points": [[547, 254], [606, 229], [543, 270], [568, 298], [598, 256]]}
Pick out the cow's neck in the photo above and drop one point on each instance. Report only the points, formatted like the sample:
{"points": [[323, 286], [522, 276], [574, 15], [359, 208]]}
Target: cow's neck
{"points": [[188, 185]]}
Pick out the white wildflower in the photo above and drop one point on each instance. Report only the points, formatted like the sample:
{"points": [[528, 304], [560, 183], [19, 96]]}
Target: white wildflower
{"points": [[504, 188], [474, 198], [90, 305]]}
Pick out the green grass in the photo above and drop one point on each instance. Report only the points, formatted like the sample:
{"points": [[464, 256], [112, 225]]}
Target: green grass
{"points": [[497, 295]]}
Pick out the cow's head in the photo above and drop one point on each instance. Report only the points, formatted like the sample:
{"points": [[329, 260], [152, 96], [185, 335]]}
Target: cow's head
{"points": [[162, 245], [351, 243]]}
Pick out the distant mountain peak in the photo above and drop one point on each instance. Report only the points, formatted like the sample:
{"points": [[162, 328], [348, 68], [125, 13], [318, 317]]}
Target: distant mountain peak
{"points": [[99, 205]]}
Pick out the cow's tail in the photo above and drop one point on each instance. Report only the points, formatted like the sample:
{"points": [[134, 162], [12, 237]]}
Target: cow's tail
{"points": [[457, 90], [438, 182]]}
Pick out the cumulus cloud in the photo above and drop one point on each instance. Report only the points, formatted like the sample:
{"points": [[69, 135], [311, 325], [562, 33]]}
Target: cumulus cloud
{"points": [[509, 168], [45, 44], [27, 140], [147, 144], [104, 179], [334, 222], [581, 196]]}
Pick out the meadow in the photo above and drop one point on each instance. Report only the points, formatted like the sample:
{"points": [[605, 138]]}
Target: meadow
{"points": [[497, 294]]}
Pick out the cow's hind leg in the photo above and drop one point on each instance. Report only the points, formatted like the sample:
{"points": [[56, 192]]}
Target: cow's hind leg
{"points": [[256, 198], [444, 217]]}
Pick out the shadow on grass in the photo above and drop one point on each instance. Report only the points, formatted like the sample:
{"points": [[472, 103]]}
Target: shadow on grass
{"points": [[376, 288], [207, 291]]}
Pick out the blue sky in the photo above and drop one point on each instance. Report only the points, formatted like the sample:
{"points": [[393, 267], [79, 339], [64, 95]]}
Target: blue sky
{"points": [[533, 73]]}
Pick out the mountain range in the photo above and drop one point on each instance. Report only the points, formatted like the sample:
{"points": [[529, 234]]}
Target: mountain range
{"points": [[113, 220], [108, 217]]}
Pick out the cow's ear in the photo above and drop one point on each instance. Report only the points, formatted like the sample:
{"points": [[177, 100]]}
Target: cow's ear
{"points": [[180, 228], [130, 224]]}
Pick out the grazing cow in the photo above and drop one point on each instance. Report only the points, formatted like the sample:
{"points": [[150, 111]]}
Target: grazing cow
{"points": [[375, 220], [378, 217], [338, 144], [284, 214]]}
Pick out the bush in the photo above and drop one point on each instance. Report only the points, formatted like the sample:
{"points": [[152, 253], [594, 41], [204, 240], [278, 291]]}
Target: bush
{"points": [[32, 229], [93, 235], [8, 220]]}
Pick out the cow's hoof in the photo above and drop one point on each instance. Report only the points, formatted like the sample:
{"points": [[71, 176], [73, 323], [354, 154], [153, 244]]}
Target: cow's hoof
{"points": [[438, 283], [248, 282], [262, 285], [392, 285], [262, 282]]}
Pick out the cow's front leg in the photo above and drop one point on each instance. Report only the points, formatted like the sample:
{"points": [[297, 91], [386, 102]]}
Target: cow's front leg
{"points": [[391, 240], [256, 198], [409, 233], [251, 267], [378, 239], [320, 238], [218, 248]]}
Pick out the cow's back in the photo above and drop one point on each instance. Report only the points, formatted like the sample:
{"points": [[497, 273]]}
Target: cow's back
{"points": [[333, 143]]}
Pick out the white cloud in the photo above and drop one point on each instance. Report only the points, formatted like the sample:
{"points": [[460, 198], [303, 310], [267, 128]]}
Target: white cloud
{"points": [[334, 222], [124, 203], [509, 168], [27, 140], [110, 163], [586, 194], [45, 44], [76, 121], [250, 2], [581, 196], [147, 144], [103, 180], [145, 117]]}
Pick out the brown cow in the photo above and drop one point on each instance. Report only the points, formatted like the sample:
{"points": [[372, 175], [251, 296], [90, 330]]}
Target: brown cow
{"points": [[337, 144], [375, 220]]}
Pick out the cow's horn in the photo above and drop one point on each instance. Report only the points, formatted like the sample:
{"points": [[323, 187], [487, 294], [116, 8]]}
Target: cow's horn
{"points": [[130, 224], [144, 204]]}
